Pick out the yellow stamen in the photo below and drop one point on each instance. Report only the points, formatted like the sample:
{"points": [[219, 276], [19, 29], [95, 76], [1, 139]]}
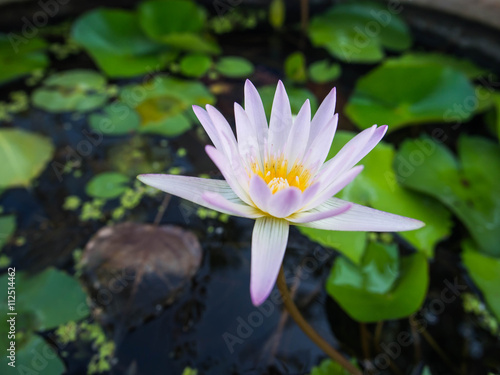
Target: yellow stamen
{"points": [[277, 176]]}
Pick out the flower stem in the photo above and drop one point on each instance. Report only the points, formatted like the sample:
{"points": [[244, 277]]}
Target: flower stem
{"points": [[308, 330]]}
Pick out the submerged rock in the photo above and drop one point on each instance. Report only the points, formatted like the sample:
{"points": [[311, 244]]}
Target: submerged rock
{"points": [[131, 271]]}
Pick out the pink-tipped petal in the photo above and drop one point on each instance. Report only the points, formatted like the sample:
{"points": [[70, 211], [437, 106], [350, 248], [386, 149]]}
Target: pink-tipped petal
{"points": [[192, 188], [299, 134], [320, 147], [209, 127], [260, 194], [334, 187], [225, 133], [255, 110], [323, 115], [307, 217], [269, 240], [352, 152], [362, 218], [285, 202], [281, 120], [224, 205], [248, 146], [228, 170]]}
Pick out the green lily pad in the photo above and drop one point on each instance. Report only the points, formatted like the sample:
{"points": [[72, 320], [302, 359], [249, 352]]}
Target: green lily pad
{"points": [[400, 93], [377, 187], [329, 367], [485, 272], [295, 67], [24, 156], [178, 23], [72, 90], [163, 103], [350, 244], [43, 302], [470, 186], [7, 228], [467, 67], [359, 32], [234, 67], [195, 65], [35, 357], [117, 44], [296, 95], [371, 292], [115, 119], [20, 57], [322, 71], [493, 115], [107, 185]]}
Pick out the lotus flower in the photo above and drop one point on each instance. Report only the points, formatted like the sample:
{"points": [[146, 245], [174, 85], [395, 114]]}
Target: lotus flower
{"points": [[277, 175]]}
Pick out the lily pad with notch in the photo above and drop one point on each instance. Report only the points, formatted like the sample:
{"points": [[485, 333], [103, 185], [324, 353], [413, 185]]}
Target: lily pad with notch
{"points": [[401, 93], [469, 186], [359, 32], [118, 45], [71, 91], [382, 287], [177, 23], [162, 107]]}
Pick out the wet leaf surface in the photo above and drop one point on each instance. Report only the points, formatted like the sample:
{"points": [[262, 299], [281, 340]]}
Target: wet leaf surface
{"points": [[401, 93], [359, 32], [469, 186], [72, 90], [379, 290], [25, 156], [20, 57]]}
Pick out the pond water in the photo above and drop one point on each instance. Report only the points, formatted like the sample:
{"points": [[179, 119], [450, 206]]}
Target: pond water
{"points": [[90, 103]]}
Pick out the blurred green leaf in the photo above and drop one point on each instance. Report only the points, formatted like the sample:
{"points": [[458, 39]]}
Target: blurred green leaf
{"points": [[71, 90], [322, 71], [377, 187], [115, 119], [296, 95], [115, 41], [485, 272], [295, 67], [351, 244], [359, 32], [43, 302], [470, 186], [20, 57], [47, 299], [467, 67], [400, 93], [329, 367], [195, 65], [277, 12], [7, 228], [493, 116], [177, 23], [234, 67], [35, 357], [24, 156], [107, 185], [165, 102], [370, 293]]}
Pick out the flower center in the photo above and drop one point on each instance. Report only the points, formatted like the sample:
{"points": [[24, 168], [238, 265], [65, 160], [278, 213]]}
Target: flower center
{"points": [[278, 175], [277, 183]]}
